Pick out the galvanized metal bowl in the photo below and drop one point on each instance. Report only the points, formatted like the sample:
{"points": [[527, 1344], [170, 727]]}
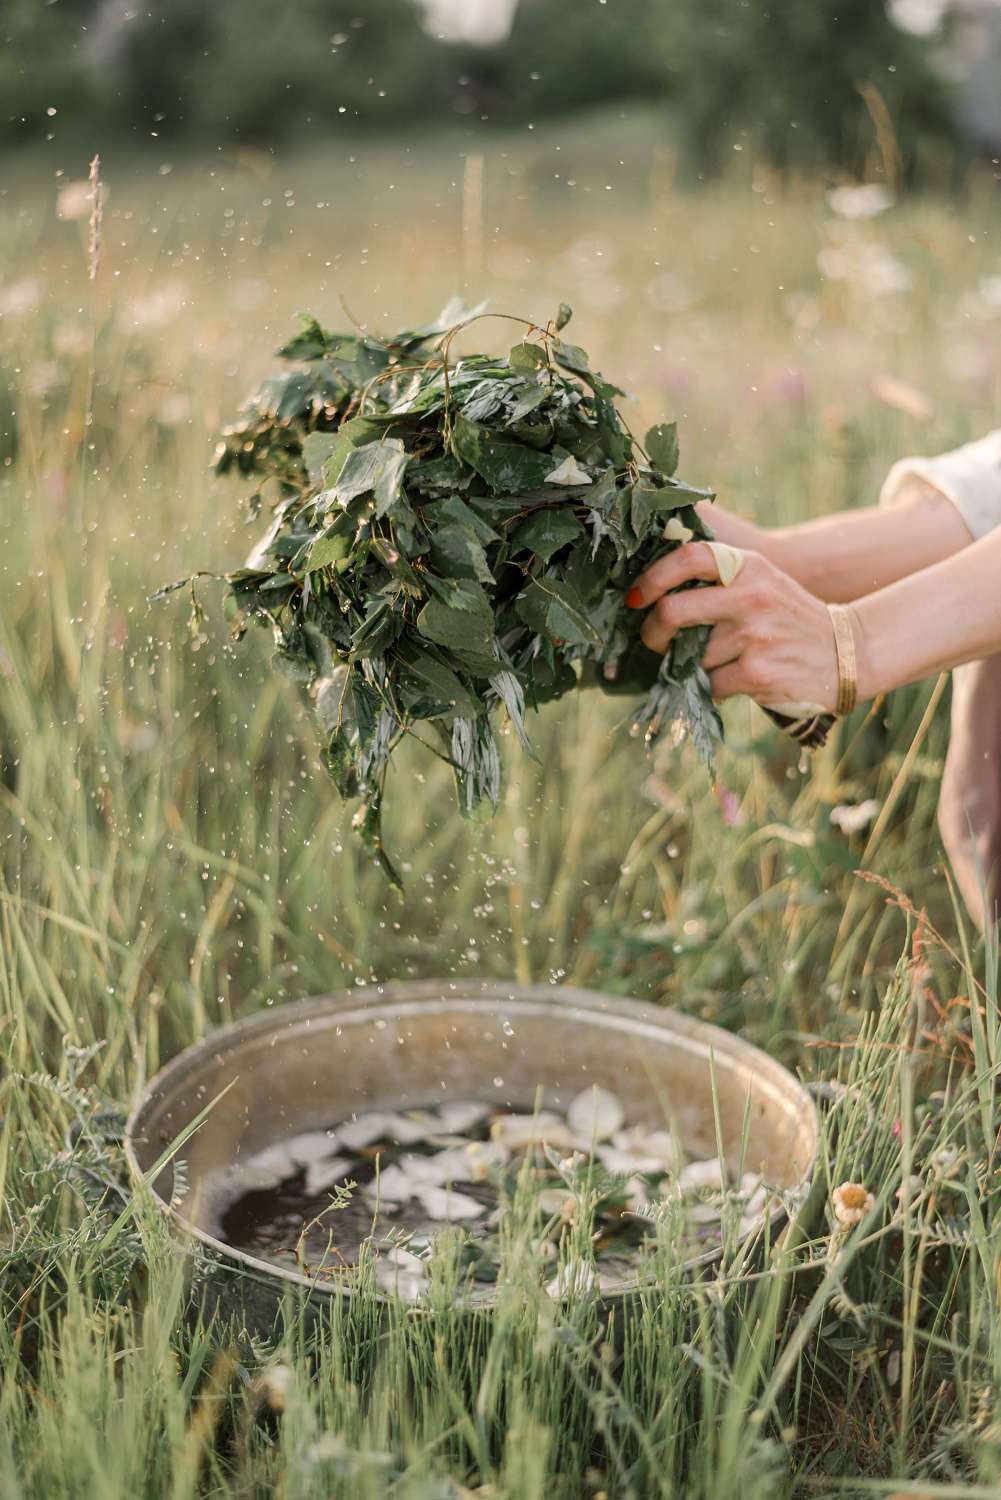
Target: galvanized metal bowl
{"points": [[402, 1046]]}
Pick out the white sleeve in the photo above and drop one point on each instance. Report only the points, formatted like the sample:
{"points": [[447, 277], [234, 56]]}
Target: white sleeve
{"points": [[969, 476]]}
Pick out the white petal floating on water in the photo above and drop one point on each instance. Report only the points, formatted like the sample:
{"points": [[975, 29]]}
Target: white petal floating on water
{"points": [[861, 201], [276, 1160], [408, 1129], [595, 1114], [400, 1272], [615, 1160], [427, 1171], [226, 1186], [749, 1224], [638, 1198], [544, 1128], [568, 1165], [755, 1212], [459, 1115], [660, 1146], [555, 1201], [576, 1276], [407, 1287], [483, 1157], [363, 1130], [702, 1174], [321, 1175], [312, 1145], [441, 1203], [454, 1164], [392, 1185], [399, 1255]]}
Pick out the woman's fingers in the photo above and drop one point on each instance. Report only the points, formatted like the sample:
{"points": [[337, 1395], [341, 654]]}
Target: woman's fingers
{"points": [[728, 681], [772, 641], [693, 561], [725, 645], [675, 611]]}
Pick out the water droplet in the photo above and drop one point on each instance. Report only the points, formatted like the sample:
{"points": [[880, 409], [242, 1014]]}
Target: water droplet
{"points": [[506, 1027], [498, 1083]]}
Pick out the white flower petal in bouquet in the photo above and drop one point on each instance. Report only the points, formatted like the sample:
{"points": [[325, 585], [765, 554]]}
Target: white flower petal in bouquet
{"points": [[569, 472]]}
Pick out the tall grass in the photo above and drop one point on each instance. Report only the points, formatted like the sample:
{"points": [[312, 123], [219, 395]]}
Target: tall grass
{"points": [[172, 858]]}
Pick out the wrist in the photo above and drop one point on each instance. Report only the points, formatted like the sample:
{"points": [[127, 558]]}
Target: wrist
{"points": [[846, 655], [873, 673], [782, 547]]}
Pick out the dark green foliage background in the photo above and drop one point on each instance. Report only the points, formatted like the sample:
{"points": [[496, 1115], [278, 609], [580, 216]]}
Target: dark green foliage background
{"points": [[785, 77]]}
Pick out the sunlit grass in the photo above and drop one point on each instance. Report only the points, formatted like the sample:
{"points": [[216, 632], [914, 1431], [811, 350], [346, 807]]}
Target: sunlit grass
{"points": [[173, 858]]}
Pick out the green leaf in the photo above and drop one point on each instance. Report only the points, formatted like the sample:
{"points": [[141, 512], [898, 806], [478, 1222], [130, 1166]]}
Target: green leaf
{"points": [[546, 531], [476, 762], [682, 700], [456, 510], [506, 467], [379, 629], [531, 398], [438, 476], [296, 664], [458, 629], [339, 761], [571, 357], [554, 608], [458, 593], [661, 444], [603, 492], [485, 399], [563, 315], [350, 435], [317, 448], [650, 500], [527, 357], [412, 553], [367, 823], [333, 545], [510, 692], [311, 341], [439, 685], [374, 468], [457, 552]]}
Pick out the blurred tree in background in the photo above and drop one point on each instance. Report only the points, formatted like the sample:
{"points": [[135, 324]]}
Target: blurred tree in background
{"points": [[568, 54], [253, 71], [784, 77], [41, 66], [791, 81]]}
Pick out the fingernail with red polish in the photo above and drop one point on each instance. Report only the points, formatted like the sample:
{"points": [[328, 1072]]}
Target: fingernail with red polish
{"points": [[634, 599]]}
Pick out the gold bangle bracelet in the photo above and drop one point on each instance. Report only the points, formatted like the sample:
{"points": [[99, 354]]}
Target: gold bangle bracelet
{"points": [[844, 641]]}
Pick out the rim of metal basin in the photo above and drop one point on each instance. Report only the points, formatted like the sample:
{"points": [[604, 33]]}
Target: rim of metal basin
{"points": [[647, 1025]]}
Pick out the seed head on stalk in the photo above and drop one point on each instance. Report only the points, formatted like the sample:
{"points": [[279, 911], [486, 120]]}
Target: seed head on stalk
{"points": [[96, 218]]}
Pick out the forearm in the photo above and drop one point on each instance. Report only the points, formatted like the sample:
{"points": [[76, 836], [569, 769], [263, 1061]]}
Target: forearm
{"points": [[931, 621], [846, 556]]}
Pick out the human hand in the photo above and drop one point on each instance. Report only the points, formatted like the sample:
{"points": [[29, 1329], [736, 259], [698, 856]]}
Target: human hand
{"points": [[736, 531], [771, 639]]}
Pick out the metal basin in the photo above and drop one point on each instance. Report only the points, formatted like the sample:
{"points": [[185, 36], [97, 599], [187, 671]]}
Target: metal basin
{"points": [[304, 1066]]}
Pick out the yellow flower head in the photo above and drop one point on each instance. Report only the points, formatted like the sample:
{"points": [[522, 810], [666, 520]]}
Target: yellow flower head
{"points": [[851, 1202]]}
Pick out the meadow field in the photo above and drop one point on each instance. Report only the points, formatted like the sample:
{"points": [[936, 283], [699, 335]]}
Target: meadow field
{"points": [[173, 857]]}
